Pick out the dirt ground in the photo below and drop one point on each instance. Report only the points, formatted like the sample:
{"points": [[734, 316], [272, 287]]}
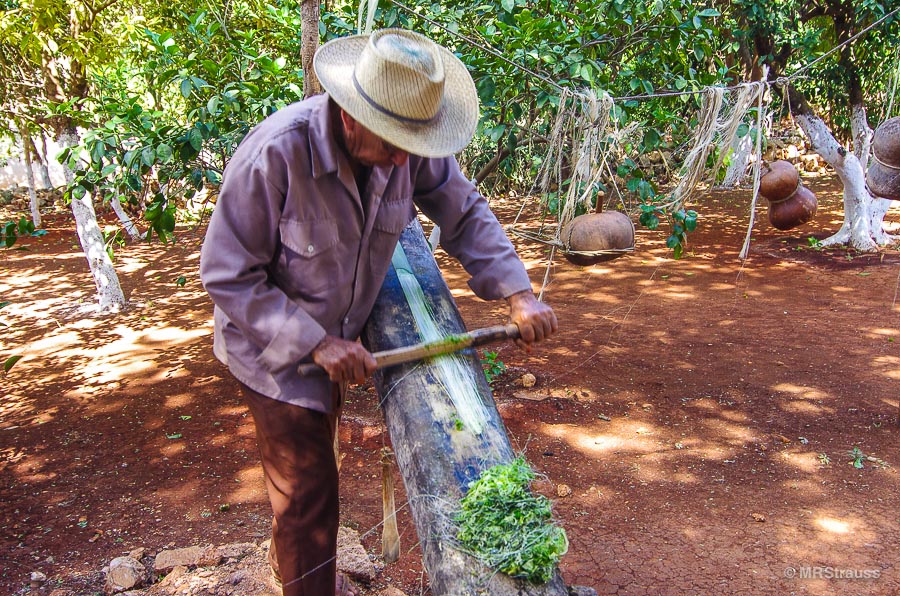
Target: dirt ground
{"points": [[696, 430]]}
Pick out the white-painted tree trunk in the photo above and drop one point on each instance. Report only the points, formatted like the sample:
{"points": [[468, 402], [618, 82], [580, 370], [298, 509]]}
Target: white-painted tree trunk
{"points": [[862, 133], [29, 174], [879, 209], [109, 291], [862, 148], [43, 165], [32, 195], [742, 148], [68, 139], [856, 229], [127, 222]]}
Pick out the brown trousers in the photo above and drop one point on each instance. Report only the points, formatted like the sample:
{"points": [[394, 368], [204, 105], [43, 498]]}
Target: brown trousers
{"points": [[297, 449]]}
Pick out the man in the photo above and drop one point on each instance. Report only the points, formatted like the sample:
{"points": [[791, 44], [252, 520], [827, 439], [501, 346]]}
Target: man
{"points": [[311, 208]]}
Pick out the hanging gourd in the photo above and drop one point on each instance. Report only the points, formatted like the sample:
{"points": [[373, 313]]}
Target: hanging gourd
{"points": [[883, 177], [790, 203], [595, 237]]}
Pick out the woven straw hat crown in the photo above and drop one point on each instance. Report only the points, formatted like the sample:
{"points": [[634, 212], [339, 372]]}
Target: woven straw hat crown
{"points": [[403, 87]]}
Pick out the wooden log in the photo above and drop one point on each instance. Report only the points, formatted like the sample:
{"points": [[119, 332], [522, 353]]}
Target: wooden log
{"points": [[437, 460]]}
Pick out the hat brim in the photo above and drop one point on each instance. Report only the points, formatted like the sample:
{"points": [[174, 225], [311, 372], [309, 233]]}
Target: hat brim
{"points": [[447, 134], [883, 182]]}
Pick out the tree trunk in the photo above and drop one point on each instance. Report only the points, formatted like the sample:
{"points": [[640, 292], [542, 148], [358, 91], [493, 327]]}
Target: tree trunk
{"points": [[856, 229], [45, 164], [862, 133], [436, 458], [28, 151], [132, 230], [109, 292], [68, 138], [879, 210], [309, 43]]}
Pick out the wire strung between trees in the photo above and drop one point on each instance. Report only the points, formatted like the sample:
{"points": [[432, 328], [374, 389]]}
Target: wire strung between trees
{"points": [[497, 54], [685, 186], [482, 47]]}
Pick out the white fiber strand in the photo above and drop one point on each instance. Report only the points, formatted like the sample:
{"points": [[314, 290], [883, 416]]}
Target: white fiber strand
{"points": [[452, 370]]}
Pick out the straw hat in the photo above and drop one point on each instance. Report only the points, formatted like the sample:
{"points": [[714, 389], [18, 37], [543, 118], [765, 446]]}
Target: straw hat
{"points": [[403, 87], [883, 177]]}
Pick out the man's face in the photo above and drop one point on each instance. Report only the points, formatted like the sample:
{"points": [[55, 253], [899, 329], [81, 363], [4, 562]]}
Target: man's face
{"points": [[367, 148]]}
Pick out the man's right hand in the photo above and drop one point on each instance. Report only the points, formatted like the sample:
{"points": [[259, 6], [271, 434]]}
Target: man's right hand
{"points": [[343, 360]]}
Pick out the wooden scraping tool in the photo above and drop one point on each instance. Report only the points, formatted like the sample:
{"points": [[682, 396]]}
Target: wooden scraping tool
{"points": [[446, 345]]}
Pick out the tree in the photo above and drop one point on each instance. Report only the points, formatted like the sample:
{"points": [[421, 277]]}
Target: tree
{"points": [[158, 131], [58, 41], [844, 75]]}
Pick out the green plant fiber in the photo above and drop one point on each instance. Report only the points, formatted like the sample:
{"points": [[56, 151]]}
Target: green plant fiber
{"points": [[507, 527]]}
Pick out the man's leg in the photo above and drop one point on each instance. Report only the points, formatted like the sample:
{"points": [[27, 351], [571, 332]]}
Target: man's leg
{"points": [[297, 449]]}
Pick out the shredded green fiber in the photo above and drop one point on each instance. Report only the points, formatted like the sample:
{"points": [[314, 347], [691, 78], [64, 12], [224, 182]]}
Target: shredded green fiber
{"points": [[507, 527]]}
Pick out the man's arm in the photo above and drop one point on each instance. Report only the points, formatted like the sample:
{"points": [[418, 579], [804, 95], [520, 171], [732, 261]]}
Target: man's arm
{"points": [[471, 233]]}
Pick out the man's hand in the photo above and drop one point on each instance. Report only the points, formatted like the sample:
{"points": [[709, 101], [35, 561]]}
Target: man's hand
{"points": [[536, 321], [344, 360]]}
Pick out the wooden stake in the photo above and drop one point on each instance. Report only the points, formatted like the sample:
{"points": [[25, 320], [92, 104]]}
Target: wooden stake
{"points": [[390, 537]]}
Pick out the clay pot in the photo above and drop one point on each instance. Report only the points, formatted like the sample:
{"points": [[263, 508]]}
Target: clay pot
{"points": [[883, 177], [610, 231], [794, 211], [780, 181]]}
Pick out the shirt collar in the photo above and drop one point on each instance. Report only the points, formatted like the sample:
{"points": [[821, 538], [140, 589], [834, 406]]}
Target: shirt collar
{"points": [[323, 148]]}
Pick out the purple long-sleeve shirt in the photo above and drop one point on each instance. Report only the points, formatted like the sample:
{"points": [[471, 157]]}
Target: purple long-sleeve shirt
{"points": [[293, 252]]}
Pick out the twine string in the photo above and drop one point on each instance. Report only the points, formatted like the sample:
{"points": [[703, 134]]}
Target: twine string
{"points": [[885, 165], [790, 196]]}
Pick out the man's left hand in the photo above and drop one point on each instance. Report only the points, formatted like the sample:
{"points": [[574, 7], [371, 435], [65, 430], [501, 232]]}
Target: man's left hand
{"points": [[536, 321]]}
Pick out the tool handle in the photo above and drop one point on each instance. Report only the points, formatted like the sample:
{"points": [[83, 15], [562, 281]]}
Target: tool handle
{"points": [[453, 343]]}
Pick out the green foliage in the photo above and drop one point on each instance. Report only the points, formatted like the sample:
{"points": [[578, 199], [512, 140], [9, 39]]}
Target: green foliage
{"points": [[112, 238], [788, 35], [11, 232], [165, 131], [167, 91], [10, 362], [508, 528], [682, 221], [857, 457], [624, 47], [492, 365]]}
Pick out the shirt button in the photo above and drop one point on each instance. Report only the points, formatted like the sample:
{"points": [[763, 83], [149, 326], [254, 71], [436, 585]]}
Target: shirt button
{"points": [[310, 248], [347, 321]]}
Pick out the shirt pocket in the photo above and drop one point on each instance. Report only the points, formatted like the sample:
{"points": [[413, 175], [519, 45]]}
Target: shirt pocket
{"points": [[310, 260]]}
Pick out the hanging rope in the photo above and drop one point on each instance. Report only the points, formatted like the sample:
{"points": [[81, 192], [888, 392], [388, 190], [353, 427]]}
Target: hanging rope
{"points": [[757, 170], [367, 8], [892, 86]]}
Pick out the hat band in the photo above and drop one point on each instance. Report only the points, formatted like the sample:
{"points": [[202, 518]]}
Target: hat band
{"points": [[384, 110]]}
